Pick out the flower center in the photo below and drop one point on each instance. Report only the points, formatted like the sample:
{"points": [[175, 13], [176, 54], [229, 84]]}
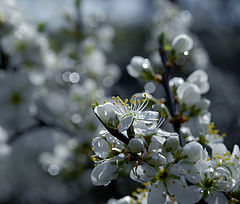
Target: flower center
{"points": [[208, 183], [130, 107], [163, 175]]}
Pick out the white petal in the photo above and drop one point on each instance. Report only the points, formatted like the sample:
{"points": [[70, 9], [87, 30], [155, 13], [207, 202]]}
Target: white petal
{"points": [[194, 151], [176, 81], [183, 193], [142, 173], [191, 95], [157, 160], [136, 145], [172, 143], [157, 195], [131, 71], [188, 94], [148, 115], [218, 148], [216, 198], [182, 43], [189, 171], [235, 154], [125, 123], [156, 144], [200, 78], [106, 113], [103, 173], [203, 104], [101, 148]]}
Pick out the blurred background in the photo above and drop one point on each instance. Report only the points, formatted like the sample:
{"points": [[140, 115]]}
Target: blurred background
{"points": [[58, 56]]}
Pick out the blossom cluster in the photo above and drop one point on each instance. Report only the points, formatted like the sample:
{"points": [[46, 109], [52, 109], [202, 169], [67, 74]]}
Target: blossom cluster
{"points": [[187, 163], [47, 87]]}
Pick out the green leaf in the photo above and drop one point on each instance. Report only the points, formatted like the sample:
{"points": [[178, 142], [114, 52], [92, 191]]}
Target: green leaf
{"points": [[95, 104]]}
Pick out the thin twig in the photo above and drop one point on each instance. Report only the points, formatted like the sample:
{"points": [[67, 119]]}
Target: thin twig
{"points": [[39, 124], [21, 132], [171, 103]]}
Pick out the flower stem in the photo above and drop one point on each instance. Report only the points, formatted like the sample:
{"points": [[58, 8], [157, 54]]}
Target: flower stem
{"points": [[119, 136], [171, 103]]}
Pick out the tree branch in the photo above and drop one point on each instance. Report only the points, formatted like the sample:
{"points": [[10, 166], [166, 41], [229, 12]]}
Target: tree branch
{"points": [[40, 123], [171, 103]]}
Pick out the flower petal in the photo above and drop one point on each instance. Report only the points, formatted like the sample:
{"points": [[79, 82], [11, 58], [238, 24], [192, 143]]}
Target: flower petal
{"points": [[125, 123], [103, 173], [216, 198], [218, 148], [101, 148], [142, 173], [183, 193], [148, 115], [157, 194]]}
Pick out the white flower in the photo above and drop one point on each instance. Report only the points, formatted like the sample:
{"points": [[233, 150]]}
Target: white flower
{"points": [[139, 67], [182, 44], [130, 110], [188, 94], [200, 78], [212, 177]]}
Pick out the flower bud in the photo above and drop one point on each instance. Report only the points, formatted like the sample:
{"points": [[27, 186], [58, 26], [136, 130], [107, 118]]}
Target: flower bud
{"points": [[200, 78], [157, 159], [172, 143], [136, 145], [140, 67], [106, 113], [194, 151], [176, 82], [188, 94], [182, 43]]}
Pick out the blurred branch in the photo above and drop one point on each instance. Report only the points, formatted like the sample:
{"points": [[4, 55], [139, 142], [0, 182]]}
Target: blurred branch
{"points": [[78, 24], [40, 123]]}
